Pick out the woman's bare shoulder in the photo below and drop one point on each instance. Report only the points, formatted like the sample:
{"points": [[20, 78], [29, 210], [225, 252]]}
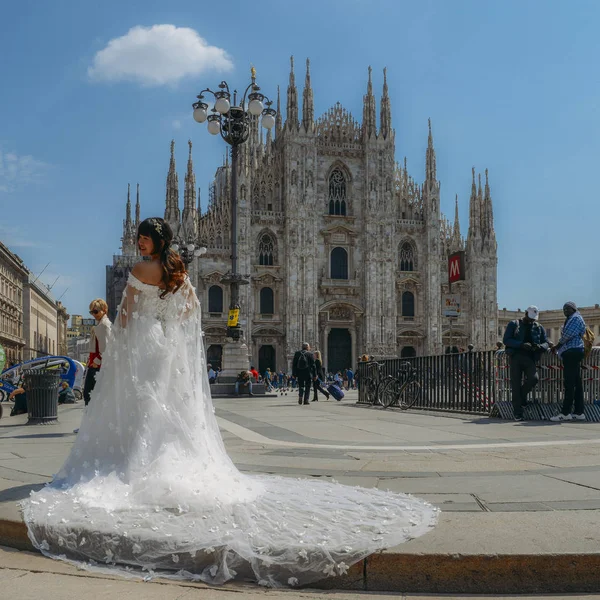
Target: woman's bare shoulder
{"points": [[148, 272]]}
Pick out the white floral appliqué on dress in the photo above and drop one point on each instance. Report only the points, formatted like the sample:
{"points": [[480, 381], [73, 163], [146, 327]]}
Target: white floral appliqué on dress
{"points": [[149, 489]]}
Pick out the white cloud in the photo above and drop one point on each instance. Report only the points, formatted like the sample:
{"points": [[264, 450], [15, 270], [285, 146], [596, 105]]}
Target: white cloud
{"points": [[16, 170], [157, 55], [176, 124]]}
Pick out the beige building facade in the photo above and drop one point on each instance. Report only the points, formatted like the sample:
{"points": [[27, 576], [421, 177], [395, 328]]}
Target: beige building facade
{"points": [[40, 319], [62, 323], [12, 274], [552, 321]]}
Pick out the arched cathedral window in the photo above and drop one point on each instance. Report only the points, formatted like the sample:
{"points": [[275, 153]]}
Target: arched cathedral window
{"points": [[339, 263], [337, 193], [267, 301], [408, 304], [266, 250], [215, 299], [407, 257]]}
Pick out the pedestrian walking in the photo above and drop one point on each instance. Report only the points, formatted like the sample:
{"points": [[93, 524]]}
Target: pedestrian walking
{"points": [[98, 341], [525, 340], [303, 368], [570, 348], [319, 378], [350, 375]]}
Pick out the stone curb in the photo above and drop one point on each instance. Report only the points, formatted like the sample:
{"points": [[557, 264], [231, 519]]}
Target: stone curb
{"points": [[437, 573]]}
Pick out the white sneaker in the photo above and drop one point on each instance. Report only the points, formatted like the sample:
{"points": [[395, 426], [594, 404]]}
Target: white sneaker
{"points": [[577, 417], [560, 417]]}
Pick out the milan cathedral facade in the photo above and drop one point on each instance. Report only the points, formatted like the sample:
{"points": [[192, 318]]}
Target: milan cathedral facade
{"points": [[343, 248]]}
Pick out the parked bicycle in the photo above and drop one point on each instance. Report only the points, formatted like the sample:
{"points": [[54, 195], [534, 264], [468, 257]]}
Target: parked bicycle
{"points": [[403, 390]]}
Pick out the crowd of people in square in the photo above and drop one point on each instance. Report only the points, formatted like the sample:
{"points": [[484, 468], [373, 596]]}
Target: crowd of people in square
{"points": [[307, 374]]}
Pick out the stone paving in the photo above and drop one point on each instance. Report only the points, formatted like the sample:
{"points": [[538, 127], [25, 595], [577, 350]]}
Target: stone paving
{"points": [[504, 487]]}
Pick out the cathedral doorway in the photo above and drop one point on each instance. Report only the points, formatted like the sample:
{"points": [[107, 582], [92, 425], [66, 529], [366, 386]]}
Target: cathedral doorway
{"points": [[266, 359], [408, 352], [214, 355], [339, 350]]}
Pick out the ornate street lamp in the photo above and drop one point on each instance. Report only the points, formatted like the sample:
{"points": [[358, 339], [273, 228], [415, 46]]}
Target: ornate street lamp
{"points": [[186, 246], [233, 123]]}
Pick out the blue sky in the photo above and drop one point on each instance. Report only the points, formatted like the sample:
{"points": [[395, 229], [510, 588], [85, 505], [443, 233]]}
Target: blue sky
{"points": [[511, 86]]}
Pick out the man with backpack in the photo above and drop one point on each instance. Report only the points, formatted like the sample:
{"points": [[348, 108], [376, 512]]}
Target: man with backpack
{"points": [[525, 340], [571, 349], [303, 368]]}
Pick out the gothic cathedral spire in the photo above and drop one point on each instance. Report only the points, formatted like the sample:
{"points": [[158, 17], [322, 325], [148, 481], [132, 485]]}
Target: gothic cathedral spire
{"points": [[369, 114], [278, 117], [308, 105], [292, 100], [129, 233], [137, 208], [474, 212], [172, 213], [189, 197], [488, 213], [128, 210], [430, 165], [385, 116]]}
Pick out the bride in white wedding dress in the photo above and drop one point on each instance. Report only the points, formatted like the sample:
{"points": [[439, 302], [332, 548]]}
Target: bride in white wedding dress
{"points": [[149, 488]]}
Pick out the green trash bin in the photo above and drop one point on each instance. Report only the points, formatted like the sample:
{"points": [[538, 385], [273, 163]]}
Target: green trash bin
{"points": [[42, 395]]}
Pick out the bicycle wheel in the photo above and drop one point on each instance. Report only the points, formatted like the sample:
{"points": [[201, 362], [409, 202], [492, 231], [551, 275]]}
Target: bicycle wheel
{"points": [[410, 394], [390, 392]]}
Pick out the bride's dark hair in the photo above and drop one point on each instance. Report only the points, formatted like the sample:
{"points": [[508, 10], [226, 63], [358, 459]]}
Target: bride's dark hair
{"points": [[161, 234]]}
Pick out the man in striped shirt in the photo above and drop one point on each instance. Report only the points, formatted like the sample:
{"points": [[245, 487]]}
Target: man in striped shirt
{"points": [[570, 349]]}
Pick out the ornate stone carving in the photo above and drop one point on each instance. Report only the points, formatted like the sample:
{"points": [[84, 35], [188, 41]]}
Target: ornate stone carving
{"points": [[340, 313]]}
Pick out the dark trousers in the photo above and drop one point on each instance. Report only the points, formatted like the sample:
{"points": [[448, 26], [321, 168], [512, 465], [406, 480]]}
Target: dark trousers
{"points": [[522, 364], [304, 385], [573, 386], [88, 386], [318, 387]]}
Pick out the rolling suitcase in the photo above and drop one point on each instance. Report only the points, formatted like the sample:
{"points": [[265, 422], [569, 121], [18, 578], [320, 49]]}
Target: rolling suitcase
{"points": [[335, 391]]}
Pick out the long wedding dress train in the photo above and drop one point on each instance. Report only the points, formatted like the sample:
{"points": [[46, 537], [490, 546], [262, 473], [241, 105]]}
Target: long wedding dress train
{"points": [[149, 488]]}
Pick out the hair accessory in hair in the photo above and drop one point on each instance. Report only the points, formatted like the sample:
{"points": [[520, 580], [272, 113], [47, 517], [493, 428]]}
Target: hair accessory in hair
{"points": [[158, 226]]}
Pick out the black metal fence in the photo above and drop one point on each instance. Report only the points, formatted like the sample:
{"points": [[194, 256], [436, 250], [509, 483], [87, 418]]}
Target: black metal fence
{"points": [[479, 383], [452, 382]]}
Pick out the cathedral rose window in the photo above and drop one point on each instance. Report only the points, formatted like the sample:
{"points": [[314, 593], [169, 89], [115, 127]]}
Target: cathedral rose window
{"points": [[337, 193]]}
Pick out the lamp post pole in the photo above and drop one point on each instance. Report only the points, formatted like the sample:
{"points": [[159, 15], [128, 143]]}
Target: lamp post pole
{"points": [[232, 120], [233, 123]]}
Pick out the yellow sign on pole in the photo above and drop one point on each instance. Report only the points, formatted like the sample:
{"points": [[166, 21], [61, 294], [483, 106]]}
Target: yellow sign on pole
{"points": [[234, 315]]}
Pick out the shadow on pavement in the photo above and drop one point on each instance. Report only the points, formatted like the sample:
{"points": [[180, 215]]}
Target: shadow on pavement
{"points": [[20, 492]]}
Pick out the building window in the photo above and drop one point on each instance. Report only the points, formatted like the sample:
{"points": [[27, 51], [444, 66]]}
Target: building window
{"points": [[266, 250], [408, 304], [339, 263], [215, 299], [337, 193], [407, 258], [267, 301]]}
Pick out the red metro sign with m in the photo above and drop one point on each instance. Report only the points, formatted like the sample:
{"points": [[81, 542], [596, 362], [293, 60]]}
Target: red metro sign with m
{"points": [[456, 267]]}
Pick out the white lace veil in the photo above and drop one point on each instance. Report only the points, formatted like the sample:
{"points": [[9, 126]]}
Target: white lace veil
{"points": [[149, 485]]}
